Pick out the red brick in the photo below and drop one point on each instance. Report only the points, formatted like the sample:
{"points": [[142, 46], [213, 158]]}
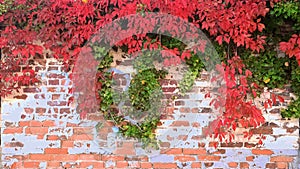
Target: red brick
{"points": [[82, 137], [63, 157], [53, 82], [220, 151], [249, 158], [24, 123], [172, 151], [168, 89], [263, 130], [184, 110], [179, 103], [53, 164], [65, 110], [55, 96], [232, 164], [122, 164], [56, 151], [112, 158], [238, 144], [244, 165], [95, 164], [28, 110], [31, 164], [190, 151], [262, 152], [35, 123], [146, 165], [281, 165], [85, 157], [31, 90], [48, 123], [185, 158], [196, 165], [13, 130], [180, 123], [39, 96], [17, 165], [271, 165], [66, 144], [281, 159], [23, 96], [52, 137], [195, 110], [57, 103], [164, 165], [82, 130], [36, 130], [208, 164], [40, 110], [40, 157], [209, 158]]}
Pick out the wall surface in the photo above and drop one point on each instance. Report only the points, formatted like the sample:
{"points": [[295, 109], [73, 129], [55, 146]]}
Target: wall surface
{"points": [[40, 130]]}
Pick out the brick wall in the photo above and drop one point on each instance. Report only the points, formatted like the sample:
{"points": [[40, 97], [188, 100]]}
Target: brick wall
{"points": [[40, 130]]}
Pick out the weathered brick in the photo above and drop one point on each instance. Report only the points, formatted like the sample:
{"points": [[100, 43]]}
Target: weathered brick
{"points": [[56, 151], [262, 152], [34, 123], [122, 164], [196, 165], [244, 165], [66, 144], [57, 103], [13, 130], [30, 164], [209, 158], [94, 164], [14, 144], [146, 165], [40, 157], [208, 164], [36, 130], [180, 123], [56, 96], [281, 159], [82, 137], [28, 110], [179, 103], [271, 165], [48, 123], [184, 110], [172, 151], [281, 165], [184, 158], [23, 96], [189, 151], [53, 82], [89, 157], [262, 130], [40, 110], [239, 144], [31, 90], [53, 164], [164, 165], [250, 158], [232, 164], [112, 158]]}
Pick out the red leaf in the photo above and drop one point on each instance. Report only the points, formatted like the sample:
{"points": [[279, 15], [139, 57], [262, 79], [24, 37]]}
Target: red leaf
{"points": [[273, 98], [281, 99], [219, 39]]}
